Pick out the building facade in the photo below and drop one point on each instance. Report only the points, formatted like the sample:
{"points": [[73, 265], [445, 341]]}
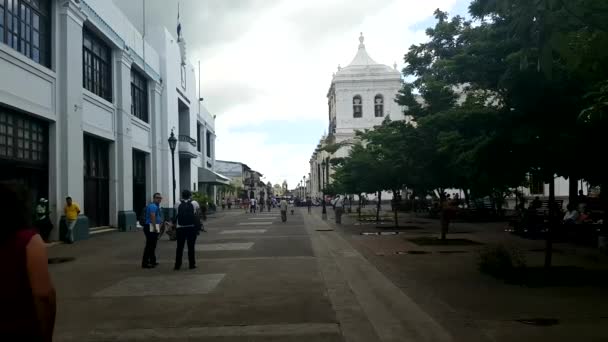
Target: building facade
{"points": [[360, 97], [86, 108], [248, 181]]}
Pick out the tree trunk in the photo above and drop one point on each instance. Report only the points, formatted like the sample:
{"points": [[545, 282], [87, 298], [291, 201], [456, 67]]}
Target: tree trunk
{"points": [[443, 215], [359, 210], [395, 210], [572, 190], [549, 233], [378, 207], [604, 204]]}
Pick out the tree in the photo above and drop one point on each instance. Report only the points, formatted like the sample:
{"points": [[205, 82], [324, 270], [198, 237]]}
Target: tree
{"points": [[501, 98]]}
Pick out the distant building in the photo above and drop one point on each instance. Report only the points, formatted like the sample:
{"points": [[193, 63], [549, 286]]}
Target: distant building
{"points": [[242, 177], [361, 96]]}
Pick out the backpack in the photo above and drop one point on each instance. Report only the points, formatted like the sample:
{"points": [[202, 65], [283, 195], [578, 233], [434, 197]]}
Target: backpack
{"points": [[186, 215], [142, 216]]}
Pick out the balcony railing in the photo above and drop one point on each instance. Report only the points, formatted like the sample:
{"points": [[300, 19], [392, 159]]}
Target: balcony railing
{"points": [[187, 147], [187, 139]]}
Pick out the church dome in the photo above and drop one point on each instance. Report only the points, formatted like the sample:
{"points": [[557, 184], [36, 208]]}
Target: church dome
{"points": [[364, 67]]}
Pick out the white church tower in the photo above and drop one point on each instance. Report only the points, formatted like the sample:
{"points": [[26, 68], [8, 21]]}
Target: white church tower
{"points": [[360, 96]]}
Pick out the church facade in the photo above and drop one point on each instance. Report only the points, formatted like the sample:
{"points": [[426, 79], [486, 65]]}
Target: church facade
{"points": [[361, 95]]}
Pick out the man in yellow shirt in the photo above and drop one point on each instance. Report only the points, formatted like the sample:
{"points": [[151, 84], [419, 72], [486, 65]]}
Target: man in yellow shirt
{"points": [[71, 211]]}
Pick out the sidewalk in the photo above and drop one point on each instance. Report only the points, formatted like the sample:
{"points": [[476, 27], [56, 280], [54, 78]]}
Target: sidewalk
{"points": [[444, 281]]}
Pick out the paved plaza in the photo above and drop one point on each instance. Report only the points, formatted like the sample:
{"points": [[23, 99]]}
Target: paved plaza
{"points": [[257, 280], [309, 280]]}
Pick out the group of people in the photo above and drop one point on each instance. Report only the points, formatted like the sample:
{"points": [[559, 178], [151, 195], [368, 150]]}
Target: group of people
{"points": [[253, 205], [577, 213], [43, 222], [187, 221]]}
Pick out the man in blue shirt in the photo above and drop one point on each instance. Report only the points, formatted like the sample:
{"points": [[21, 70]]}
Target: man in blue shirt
{"points": [[154, 218]]}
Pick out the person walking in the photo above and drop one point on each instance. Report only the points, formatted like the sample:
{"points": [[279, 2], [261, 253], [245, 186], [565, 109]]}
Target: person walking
{"points": [[43, 221], [269, 204], [252, 205], [152, 225], [188, 223], [71, 211], [339, 207], [27, 294], [283, 207], [309, 204]]}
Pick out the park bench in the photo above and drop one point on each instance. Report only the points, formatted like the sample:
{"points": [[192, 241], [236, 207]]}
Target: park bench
{"points": [[481, 209]]}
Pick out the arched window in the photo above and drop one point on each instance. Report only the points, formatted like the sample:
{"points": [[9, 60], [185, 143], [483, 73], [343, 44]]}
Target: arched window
{"points": [[379, 106], [357, 106]]}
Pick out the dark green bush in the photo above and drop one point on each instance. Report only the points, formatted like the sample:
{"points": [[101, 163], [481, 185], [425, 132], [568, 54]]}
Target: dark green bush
{"points": [[501, 262]]}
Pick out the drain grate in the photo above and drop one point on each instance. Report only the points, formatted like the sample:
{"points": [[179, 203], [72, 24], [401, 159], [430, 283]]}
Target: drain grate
{"points": [[324, 230], [381, 233], [412, 252], [541, 322], [60, 260], [453, 252]]}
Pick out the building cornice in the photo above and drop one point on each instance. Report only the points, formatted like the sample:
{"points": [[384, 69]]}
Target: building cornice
{"points": [[109, 32]]}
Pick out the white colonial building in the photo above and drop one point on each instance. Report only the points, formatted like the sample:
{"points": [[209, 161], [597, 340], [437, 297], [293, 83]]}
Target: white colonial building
{"points": [[87, 106], [360, 96]]}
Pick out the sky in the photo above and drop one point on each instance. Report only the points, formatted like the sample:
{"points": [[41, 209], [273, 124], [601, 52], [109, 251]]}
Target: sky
{"points": [[266, 65]]}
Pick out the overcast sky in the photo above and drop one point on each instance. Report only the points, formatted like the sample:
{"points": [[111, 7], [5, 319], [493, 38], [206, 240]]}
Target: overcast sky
{"points": [[266, 65]]}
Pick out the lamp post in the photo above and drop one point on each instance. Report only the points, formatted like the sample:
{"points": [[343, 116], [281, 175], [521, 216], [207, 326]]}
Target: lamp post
{"points": [[324, 211], [172, 144]]}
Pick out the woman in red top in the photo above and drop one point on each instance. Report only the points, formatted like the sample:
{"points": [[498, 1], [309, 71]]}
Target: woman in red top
{"points": [[27, 295]]}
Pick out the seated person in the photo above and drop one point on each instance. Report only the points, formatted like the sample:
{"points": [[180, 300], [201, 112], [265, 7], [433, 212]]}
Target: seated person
{"points": [[571, 215], [584, 217], [536, 203]]}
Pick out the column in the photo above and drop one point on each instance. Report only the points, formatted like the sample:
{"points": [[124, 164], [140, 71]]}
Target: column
{"points": [[67, 135], [123, 152], [159, 147]]}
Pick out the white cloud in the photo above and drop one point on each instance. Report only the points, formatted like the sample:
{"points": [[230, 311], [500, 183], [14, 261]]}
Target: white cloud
{"points": [[262, 64]]}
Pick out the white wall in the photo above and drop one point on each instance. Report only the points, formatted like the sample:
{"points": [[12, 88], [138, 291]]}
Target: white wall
{"points": [[123, 27], [345, 91]]}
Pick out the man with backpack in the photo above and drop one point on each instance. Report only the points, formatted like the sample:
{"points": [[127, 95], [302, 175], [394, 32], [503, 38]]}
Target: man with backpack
{"points": [[188, 224]]}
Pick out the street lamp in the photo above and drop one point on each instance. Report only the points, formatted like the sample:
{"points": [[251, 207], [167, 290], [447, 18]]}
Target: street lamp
{"points": [[172, 145], [324, 212]]}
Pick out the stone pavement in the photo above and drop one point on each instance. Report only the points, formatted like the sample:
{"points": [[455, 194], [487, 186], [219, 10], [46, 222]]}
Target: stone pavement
{"points": [[258, 279], [445, 283]]}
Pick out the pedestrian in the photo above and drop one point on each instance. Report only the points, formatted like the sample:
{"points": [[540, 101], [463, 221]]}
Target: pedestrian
{"points": [[339, 207], [229, 203], [309, 203], [152, 226], [223, 203], [188, 223], [43, 221], [269, 204], [71, 211], [252, 205], [27, 294], [283, 207]]}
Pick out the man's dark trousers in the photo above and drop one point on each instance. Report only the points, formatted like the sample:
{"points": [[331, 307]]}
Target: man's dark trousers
{"points": [[150, 249], [185, 234]]}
